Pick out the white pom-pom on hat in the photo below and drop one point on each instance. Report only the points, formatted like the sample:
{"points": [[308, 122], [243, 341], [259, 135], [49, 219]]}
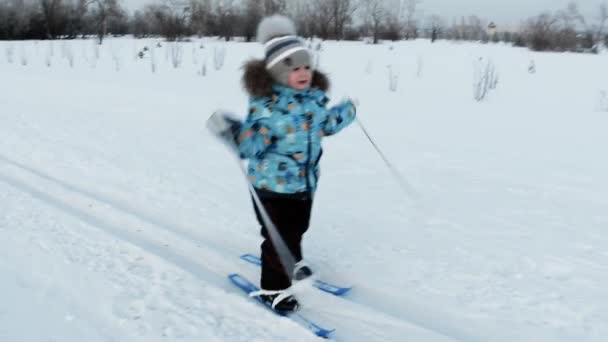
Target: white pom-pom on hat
{"points": [[275, 26]]}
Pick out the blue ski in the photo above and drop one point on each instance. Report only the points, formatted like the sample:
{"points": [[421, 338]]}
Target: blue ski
{"points": [[247, 286], [321, 285]]}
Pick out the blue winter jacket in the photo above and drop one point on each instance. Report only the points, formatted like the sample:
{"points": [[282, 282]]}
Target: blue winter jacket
{"points": [[282, 135]]}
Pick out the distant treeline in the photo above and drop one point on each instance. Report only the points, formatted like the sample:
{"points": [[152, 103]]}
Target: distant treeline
{"points": [[374, 20]]}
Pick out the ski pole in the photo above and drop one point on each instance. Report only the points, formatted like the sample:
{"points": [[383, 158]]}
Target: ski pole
{"points": [[285, 256], [407, 188], [287, 259]]}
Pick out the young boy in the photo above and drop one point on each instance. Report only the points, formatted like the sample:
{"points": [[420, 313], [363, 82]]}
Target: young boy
{"points": [[281, 139]]}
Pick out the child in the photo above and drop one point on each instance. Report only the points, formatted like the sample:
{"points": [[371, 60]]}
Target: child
{"points": [[281, 138]]}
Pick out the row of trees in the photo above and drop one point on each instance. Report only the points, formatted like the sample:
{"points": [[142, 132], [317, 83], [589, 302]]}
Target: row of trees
{"points": [[566, 29], [53, 19]]}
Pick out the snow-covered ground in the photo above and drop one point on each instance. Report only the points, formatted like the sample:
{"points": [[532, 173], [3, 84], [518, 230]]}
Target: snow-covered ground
{"points": [[120, 216]]}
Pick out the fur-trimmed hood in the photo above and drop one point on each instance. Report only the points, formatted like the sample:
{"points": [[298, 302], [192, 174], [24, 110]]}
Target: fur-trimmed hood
{"points": [[258, 82]]}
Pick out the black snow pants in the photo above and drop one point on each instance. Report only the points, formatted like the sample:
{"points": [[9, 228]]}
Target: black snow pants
{"points": [[291, 217]]}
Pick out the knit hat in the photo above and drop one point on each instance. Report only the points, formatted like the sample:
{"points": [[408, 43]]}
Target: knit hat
{"points": [[284, 50]]}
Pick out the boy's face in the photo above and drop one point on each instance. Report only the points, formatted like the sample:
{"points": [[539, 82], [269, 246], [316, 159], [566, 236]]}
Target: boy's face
{"points": [[300, 78]]}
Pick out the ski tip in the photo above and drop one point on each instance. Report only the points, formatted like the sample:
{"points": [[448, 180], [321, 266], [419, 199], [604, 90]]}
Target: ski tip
{"points": [[317, 330], [344, 291], [237, 279], [251, 258], [335, 290], [325, 333]]}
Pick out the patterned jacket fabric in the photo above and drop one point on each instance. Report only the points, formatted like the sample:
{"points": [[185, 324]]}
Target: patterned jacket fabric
{"points": [[282, 136]]}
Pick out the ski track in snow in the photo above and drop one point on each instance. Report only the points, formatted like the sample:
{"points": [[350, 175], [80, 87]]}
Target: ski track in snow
{"points": [[124, 222], [144, 280]]}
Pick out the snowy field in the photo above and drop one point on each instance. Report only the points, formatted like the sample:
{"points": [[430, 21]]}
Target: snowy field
{"points": [[120, 216]]}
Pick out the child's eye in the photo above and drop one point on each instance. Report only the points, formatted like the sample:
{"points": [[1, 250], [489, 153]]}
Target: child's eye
{"points": [[307, 67], [296, 69]]}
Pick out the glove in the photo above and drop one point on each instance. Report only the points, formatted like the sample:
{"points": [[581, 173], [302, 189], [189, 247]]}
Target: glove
{"points": [[353, 102], [225, 127]]}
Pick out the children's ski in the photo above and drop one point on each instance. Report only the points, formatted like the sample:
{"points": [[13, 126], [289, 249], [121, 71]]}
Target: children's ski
{"points": [[321, 285], [248, 287]]}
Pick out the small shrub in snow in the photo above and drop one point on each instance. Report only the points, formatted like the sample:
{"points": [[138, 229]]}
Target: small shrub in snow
{"points": [[603, 103], [176, 54], [97, 52], [203, 71], [194, 54], [393, 78], [48, 56], [369, 67], [219, 56], [135, 51], [69, 55], [116, 63], [485, 78], [22, 56], [532, 67], [153, 60], [10, 51]]}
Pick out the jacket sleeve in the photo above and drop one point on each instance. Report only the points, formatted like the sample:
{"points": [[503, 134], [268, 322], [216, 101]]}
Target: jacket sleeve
{"points": [[255, 135], [339, 117]]}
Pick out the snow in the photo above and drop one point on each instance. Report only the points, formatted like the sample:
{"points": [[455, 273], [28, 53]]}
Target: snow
{"points": [[121, 217]]}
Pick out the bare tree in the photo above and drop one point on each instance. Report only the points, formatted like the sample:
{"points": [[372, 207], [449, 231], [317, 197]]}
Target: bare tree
{"points": [[200, 16], [140, 25], [373, 14], [15, 18], [572, 22], [101, 13], [51, 10], [411, 23], [573, 19], [342, 13], [79, 18], [301, 12], [471, 28], [252, 16], [225, 13], [477, 28], [168, 19], [539, 31], [273, 6], [602, 18], [321, 17], [436, 27], [572, 16]]}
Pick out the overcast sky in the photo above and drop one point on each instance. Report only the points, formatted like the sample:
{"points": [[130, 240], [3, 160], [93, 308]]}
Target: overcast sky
{"points": [[502, 12]]}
